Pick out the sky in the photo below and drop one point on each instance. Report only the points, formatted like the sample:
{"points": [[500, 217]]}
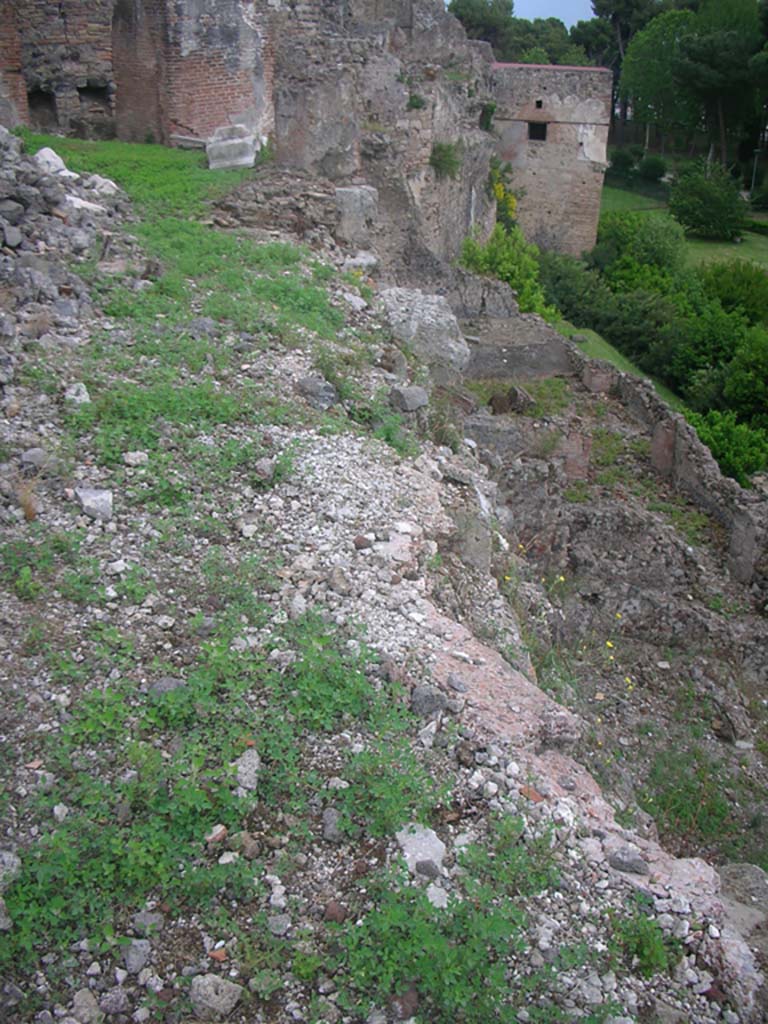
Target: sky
{"points": [[569, 11]]}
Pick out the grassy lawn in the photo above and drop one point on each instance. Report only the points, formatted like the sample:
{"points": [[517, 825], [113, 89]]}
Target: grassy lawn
{"points": [[753, 247], [620, 200], [596, 347]]}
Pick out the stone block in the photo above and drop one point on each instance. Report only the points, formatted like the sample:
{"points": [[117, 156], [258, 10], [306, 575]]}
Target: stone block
{"points": [[232, 146], [357, 209]]}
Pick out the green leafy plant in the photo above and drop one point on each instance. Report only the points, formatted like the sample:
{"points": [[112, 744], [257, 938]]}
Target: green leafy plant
{"points": [[445, 159], [652, 167], [707, 203], [416, 102], [509, 257], [640, 943]]}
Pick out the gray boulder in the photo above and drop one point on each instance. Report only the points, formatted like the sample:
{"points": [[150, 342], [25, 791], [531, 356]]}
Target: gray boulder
{"points": [[427, 326], [213, 998]]}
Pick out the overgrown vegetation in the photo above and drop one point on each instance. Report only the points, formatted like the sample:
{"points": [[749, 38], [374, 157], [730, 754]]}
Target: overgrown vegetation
{"points": [[698, 331]]}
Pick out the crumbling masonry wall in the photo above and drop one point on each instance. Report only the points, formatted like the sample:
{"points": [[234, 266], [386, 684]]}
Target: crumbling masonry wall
{"points": [[358, 91], [13, 93], [141, 70], [552, 125]]}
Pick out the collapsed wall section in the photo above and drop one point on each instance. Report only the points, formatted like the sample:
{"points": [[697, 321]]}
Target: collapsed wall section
{"points": [[552, 125]]}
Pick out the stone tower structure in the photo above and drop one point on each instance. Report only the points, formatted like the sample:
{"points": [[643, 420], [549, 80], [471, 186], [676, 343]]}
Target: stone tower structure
{"points": [[552, 124]]}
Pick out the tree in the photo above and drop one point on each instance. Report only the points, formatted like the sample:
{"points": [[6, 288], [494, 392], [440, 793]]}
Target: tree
{"points": [[545, 38], [484, 19], [596, 37], [648, 73], [713, 66], [626, 17]]}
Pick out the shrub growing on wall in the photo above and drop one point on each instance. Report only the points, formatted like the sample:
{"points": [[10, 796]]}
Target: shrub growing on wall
{"points": [[707, 203], [446, 159], [509, 257]]}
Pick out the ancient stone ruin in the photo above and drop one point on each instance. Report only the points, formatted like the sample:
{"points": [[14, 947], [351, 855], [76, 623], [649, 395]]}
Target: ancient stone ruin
{"points": [[358, 91]]}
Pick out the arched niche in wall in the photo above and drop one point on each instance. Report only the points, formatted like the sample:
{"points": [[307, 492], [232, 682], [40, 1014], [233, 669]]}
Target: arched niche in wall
{"points": [[136, 63]]}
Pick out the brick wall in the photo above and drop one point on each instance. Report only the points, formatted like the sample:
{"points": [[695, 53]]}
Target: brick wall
{"points": [[562, 174], [137, 40], [13, 91]]}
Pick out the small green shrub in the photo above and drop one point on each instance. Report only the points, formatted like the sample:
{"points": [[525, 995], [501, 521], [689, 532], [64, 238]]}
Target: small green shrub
{"points": [[508, 256], [640, 941], [416, 102], [707, 203], [739, 285], [651, 240], [652, 167], [486, 116], [740, 450], [622, 162], [445, 159], [388, 787]]}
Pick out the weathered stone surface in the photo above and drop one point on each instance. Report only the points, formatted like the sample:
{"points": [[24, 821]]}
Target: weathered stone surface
{"points": [[97, 504], [49, 161], [408, 399], [247, 767], [356, 214], [426, 325], [427, 700], [85, 1009], [232, 146], [628, 860], [213, 998], [318, 392], [420, 846]]}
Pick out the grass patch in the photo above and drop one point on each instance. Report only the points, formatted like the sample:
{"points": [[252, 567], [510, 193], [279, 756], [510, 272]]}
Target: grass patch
{"points": [[686, 794], [158, 179], [686, 519], [752, 247], [619, 200]]}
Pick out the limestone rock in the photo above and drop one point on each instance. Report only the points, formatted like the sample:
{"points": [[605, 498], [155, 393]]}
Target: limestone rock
{"points": [[248, 766], [96, 504], [49, 161], [426, 325], [232, 146], [421, 845], [319, 393], [356, 214], [408, 399], [213, 998]]}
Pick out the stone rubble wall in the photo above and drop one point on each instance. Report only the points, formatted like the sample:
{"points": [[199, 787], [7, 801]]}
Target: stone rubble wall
{"points": [[525, 346]]}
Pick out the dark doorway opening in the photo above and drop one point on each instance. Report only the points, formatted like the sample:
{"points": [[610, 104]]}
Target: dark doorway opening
{"points": [[43, 116]]}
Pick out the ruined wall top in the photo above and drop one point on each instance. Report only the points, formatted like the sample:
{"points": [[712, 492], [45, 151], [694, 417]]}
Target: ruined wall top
{"points": [[575, 95]]}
